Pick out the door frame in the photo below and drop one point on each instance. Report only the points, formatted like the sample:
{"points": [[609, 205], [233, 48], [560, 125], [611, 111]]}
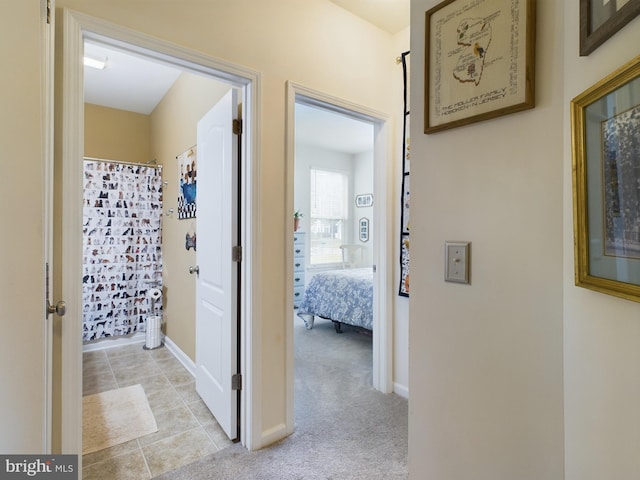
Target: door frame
{"points": [[47, 9], [382, 235], [75, 28]]}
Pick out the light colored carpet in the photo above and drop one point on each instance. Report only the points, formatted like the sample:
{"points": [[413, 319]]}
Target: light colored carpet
{"points": [[344, 429], [115, 417]]}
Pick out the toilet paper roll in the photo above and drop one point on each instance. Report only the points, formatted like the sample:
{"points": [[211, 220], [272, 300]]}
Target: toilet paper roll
{"points": [[154, 294], [153, 334]]}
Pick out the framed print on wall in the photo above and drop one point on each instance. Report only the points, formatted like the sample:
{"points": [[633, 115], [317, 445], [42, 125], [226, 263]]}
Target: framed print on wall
{"points": [[363, 229], [187, 178], [601, 19], [605, 122], [479, 61], [364, 200]]}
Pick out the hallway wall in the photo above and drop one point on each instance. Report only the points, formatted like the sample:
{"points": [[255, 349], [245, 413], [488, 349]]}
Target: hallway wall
{"points": [[523, 374], [601, 332], [314, 43], [498, 339], [486, 358]]}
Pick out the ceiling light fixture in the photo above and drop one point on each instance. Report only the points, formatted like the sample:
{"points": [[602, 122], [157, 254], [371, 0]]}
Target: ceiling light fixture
{"points": [[95, 62]]}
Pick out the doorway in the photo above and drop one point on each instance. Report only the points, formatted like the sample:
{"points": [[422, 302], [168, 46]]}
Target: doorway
{"points": [[381, 218], [77, 29]]}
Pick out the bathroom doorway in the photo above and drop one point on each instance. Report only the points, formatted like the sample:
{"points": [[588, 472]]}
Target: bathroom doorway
{"points": [[81, 29]]}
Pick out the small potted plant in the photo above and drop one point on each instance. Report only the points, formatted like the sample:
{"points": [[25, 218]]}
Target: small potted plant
{"points": [[297, 215]]}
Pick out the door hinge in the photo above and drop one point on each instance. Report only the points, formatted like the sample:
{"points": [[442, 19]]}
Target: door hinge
{"points": [[236, 253], [237, 127], [48, 12], [236, 382]]}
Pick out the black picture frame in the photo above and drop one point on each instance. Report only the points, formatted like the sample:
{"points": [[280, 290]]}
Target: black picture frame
{"points": [[600, 21]]}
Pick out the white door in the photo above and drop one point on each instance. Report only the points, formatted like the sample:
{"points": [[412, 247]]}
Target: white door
{"points": [[217, 273]]}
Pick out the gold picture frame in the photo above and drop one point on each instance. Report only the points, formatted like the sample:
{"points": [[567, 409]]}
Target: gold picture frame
{"points": [[605, 121], [479, 61]]}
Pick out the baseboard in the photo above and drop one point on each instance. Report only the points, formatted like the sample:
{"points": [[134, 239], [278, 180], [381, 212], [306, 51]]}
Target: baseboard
{"points": [[273, 434], [401, 390], [182, 357], [140, 338], [113, 342]]}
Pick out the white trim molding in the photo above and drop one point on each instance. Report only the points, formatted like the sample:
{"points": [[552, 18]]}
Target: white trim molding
{"points": [[113, 342], [401, 390], [182, 357], [47, 21], [70, 189]]}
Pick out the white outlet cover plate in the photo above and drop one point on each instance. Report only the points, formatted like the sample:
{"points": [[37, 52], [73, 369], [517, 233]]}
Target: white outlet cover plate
{"points": [[457, 262]]}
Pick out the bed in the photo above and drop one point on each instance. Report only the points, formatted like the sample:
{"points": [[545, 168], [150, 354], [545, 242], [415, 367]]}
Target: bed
{"points": [[342, 296]]}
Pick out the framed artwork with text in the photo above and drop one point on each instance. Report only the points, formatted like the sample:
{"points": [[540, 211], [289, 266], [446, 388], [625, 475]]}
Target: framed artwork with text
{"points": [[479, 61]]}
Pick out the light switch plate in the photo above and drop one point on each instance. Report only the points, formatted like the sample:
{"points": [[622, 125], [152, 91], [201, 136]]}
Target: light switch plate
{"points": [[457, 262]]}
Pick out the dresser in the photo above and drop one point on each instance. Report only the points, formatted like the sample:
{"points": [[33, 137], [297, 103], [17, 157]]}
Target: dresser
{"points": [[299, 242]]}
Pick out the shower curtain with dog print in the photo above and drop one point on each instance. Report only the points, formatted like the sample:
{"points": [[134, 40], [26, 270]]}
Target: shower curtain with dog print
{"points": [[122, 246]]}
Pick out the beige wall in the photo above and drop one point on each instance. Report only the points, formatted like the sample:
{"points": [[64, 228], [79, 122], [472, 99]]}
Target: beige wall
{"points": [[508, 354], [486, 359], [601, 332], [114, 134], [314, 43], [21, 240], [173, 131]]}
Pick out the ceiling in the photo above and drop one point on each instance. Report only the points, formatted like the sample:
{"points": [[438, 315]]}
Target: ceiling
{"points": [[128, 82], [133, 83], [333, 131], [391, 16]]}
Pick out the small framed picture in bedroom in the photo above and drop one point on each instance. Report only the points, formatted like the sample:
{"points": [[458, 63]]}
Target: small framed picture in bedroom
{"points": [[364, 200], [364, 229]]}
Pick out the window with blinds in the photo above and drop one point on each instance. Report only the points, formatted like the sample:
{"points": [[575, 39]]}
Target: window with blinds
{"points": [[328, 215]]}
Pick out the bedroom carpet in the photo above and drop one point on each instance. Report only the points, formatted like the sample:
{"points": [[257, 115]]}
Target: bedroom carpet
{"points": [[344, 429]]}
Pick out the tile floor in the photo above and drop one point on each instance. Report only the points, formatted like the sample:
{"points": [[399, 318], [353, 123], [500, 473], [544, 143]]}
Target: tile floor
{"points": [[186, 429]]}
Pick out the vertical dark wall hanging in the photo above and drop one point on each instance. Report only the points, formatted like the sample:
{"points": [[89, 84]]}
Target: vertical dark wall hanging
{"points": [[405, 221]]}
